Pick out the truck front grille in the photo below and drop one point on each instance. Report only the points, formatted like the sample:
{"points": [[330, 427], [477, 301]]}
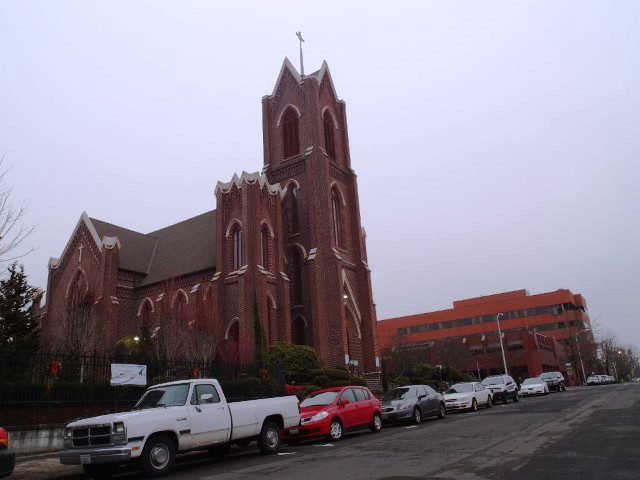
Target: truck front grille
{"points": [[95, 435]]}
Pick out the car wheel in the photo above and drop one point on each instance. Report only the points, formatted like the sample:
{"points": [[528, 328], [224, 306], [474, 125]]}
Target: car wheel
{"points": [[158, 456], [99, 471], [335, 430], [269, 438], [219, 451], [504, 398], [376, 423], [443, 411], [515, 397], [474, 405], [417, 416], [489, 402]]}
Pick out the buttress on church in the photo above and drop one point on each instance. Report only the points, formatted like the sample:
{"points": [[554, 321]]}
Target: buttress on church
{"points": [[289, 236]]}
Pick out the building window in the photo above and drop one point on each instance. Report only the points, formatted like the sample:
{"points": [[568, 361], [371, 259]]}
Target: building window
{"points": [[296, 268], [329, 141], [337, 218], [237, 248], [265, 247], [294, 213], [290, 135], [298, 331], [270, 321]]}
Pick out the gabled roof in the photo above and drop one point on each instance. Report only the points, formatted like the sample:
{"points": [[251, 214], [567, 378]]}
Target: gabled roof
{"points": [[318, 75], [185, 247]]}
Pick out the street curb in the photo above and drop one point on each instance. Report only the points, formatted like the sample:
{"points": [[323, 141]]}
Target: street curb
{"points": [[36, 456]]}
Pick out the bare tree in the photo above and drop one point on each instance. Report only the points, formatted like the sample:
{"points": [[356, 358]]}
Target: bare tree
{"points": [[13, 230], [204, 332]]}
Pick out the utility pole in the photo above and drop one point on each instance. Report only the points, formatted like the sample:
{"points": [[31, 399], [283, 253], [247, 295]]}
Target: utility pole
{"points": [[504, 359]]}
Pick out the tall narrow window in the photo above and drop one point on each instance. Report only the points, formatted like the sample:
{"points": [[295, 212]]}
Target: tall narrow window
{"points": [[265, 247], [296, 267], [293, 209], [337, 223], [290, 136], [270, 321], [329, 141], [237, 248]]}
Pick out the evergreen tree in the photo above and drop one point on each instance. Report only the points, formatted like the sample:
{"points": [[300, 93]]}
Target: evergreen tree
{"points": [[19, 332]]}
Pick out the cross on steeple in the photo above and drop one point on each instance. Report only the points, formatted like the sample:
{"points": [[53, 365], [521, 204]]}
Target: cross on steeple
{"points": [[299, 35]]}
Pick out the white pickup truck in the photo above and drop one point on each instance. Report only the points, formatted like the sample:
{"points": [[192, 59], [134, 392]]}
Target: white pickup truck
{"points": [[173, 418]]}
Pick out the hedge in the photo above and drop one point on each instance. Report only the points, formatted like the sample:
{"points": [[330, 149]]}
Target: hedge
{"points": [[340, 383], [337, 374], [361, 382], [321, 380]]}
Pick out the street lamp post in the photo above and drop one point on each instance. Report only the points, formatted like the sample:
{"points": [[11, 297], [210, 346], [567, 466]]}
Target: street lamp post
{"points": [[584, 377], [504, 359]]}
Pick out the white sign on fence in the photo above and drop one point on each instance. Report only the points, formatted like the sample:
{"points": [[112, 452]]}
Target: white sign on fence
{"points": [[125, 374]]}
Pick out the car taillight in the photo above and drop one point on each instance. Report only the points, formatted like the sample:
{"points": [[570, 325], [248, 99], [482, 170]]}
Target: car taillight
{"points": [[4, 438]]}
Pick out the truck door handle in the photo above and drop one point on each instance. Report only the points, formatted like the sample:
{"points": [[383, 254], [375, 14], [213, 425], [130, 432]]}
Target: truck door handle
{"points": [[198, 408]]}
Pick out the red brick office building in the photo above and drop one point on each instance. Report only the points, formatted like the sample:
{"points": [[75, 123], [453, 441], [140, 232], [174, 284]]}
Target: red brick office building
{"points": [[538, 332], [289, 234]]}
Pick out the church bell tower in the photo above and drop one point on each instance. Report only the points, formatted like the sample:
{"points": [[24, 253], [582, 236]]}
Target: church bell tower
{"points": [[306, 152]]}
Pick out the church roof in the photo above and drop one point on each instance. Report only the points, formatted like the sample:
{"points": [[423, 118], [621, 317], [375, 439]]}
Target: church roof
{"points": [[185, 247]]}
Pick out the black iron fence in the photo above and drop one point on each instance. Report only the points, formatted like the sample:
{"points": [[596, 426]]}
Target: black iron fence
{"points": [[33, 387]]}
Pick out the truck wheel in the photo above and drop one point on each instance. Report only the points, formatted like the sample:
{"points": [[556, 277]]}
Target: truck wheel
{"points": [[158, 456], [220, 451], [269, 439], [99, 472]]}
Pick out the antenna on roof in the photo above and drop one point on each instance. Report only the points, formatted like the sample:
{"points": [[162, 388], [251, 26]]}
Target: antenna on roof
{"points": [[299, 35]]}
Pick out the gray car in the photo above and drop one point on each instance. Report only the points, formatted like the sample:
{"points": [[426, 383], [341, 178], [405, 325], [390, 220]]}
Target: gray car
{"points": [[412, 403]]}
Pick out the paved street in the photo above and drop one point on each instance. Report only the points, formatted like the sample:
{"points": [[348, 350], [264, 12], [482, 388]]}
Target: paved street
{"points": [[584, 433]]}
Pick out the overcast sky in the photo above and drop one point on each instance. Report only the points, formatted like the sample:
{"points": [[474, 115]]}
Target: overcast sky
{"points": [[497, 144]]}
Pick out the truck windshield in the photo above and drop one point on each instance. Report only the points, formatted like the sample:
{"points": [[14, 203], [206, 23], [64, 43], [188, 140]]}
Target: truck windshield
{"points": [[168, 396]]}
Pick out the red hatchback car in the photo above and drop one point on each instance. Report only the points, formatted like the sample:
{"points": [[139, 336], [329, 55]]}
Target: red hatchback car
{"points": [[332, 411]]}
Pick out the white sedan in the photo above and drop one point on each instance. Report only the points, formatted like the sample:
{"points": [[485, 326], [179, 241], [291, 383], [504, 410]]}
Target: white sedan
{"points": [[467, 396], [534, 386]]}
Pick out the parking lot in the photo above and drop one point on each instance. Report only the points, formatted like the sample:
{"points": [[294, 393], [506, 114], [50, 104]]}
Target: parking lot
{"points": [[584, 433]]}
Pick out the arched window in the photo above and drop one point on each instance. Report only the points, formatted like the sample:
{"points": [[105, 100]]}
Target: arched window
{"points": [[264, 237], [237, 248], [336, 208], [329, 141], [293, 209], [180, 306], [290, 135], [296, 270], [298, 331]]}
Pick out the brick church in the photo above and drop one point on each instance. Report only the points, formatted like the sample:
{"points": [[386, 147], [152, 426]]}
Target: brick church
{"points": [[287, 239]]}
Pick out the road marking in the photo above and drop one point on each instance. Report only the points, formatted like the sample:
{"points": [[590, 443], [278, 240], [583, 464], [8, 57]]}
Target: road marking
{"points": [[325, 445], [287, 453], [411, 426]]}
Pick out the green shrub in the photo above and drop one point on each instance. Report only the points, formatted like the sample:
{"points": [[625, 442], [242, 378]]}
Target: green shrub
{"points": [[342, 367], [359, 381], [423, 370], [402, 381], [340, 383], [337, 374], [321, 380], [310, 388], [419, 380], [316, 372], [296, 361]]}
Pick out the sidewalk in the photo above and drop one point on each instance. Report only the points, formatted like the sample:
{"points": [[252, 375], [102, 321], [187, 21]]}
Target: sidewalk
{"points": [[45, 466]]}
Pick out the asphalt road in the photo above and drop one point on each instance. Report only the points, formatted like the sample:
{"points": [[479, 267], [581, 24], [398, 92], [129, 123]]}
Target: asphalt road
{"points": [[584, 433]]}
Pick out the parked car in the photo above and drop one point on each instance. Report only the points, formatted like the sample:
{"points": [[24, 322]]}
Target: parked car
{"points": [[554, 380], [595, 380], [333, 411], [7, 457], [467, 396], [412, 403], [502, 387], [173, 418], [534, 386]]}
